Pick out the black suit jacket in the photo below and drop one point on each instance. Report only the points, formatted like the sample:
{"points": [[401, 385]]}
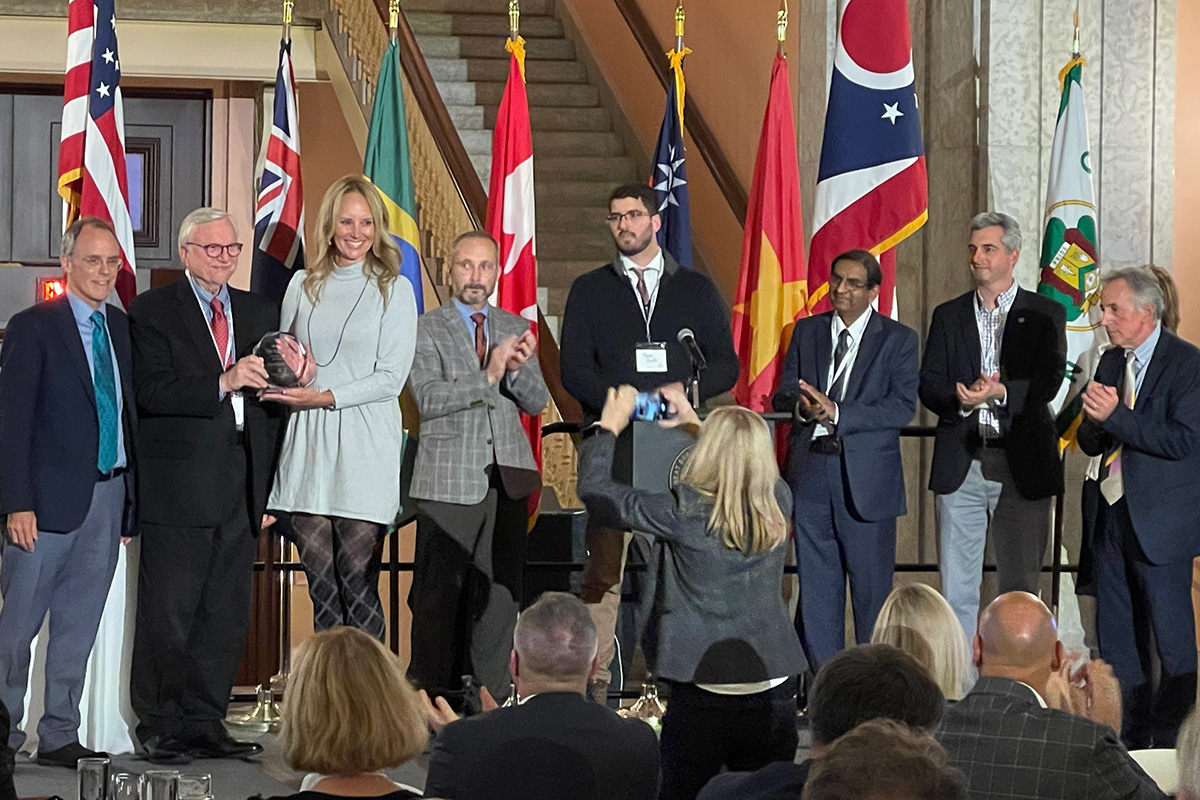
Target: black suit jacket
{"points": [[880, 398], [1033, 359], [7, 759], [49, 434], [1008, 747], [603, 323], [1160, 455], [781, 780], [553, 746], [187, 435]]}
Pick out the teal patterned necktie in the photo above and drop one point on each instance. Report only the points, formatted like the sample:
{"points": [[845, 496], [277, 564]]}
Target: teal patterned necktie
{"points": [[106, 394]]}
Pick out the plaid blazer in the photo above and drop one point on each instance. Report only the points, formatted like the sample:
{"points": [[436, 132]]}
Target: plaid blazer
{"points": [[1008, 746], [463, 417]]}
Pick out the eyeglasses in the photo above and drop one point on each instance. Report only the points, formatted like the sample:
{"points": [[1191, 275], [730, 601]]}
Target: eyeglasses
{"points": [[215, 250], [853, 284], [636, 215]]}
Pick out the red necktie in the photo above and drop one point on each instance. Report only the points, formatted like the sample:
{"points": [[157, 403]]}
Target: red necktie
{"points": [[220, 331], [480, 336]]}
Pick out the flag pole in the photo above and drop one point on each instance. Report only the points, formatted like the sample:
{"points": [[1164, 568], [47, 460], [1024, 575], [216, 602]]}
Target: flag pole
{"points": [[679, 19], [514, 19], [393, 19], [288, 5], [1075, 52], [781, 26]]}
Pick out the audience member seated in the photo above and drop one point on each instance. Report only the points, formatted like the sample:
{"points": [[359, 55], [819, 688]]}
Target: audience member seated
{"points": [[554, 743], [884, 760], [871, 681], [1187, 753], [1007, 741], [918, 620], [348, 714]]}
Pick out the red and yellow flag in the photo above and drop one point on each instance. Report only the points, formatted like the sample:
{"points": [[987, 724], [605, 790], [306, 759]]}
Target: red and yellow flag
{"points": [[772, 290]]}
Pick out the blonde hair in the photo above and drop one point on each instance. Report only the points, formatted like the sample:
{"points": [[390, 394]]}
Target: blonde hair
{"points": [[349, 709], [919, 621], [1170, 312], [734, 463], [382, 262]]}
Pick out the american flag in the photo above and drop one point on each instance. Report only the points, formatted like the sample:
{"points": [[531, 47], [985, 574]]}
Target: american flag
{"points": [[872, 192], [279, 220], [91, 156]]}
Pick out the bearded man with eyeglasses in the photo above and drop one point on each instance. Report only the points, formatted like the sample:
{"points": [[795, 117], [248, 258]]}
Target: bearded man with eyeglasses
{"points": [[210, 450], [621, 326]]}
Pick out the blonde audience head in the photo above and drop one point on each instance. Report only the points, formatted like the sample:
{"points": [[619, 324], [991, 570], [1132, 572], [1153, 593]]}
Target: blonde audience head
{"points": [[348, 709], [1187, 751], [734, 463], [919, 621]]}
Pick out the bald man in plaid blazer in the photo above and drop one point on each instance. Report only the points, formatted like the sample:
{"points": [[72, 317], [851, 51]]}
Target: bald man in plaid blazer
{"points": [[475, 369]]}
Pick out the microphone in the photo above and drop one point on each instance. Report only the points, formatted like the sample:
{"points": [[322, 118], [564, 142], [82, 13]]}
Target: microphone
{"points": [[688, 340]]}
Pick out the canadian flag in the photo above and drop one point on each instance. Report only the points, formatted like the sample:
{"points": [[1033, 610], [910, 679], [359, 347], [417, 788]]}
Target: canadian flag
{"points": [[510, 211]]}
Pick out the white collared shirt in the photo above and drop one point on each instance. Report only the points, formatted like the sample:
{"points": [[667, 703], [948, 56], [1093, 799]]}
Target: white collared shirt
{"points": [[856, 330], [990, 323], [652, 273]]}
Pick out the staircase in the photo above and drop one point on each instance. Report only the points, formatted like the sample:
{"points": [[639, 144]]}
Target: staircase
{"points": [[578, 159]]}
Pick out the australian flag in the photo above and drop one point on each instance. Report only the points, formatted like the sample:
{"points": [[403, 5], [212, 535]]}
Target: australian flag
{"points": [[279, 218], [669, 178]]}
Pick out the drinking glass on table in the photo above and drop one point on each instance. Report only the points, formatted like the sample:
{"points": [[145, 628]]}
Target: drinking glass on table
{"points": [[92, 778], [195, 786], [161, 784], [126, 786]]}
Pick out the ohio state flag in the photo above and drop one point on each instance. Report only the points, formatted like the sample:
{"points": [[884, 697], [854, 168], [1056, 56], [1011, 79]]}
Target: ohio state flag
{"points": [[510, 211]]}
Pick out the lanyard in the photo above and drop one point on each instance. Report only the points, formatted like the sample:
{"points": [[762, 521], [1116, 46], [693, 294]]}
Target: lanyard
{"points": [[647, 313], [227, 356]]}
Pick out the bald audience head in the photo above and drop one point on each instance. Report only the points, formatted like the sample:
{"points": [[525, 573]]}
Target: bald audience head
{"points": [[1018, 639]]}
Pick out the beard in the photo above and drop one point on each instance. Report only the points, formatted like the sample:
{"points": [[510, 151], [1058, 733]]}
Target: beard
{"points": [[636, 244]]}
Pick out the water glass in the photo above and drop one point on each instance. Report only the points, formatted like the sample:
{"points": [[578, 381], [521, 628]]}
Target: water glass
{"points": [[195, 786], [93, 778], [126, 786], [161, 784]]}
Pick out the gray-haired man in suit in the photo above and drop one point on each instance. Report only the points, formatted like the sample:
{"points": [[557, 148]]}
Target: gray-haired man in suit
{"points": [[475, 369]]}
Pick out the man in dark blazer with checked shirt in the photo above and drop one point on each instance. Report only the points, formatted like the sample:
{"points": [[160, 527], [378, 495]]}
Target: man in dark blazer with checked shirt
{"points": [[1005, 739]]}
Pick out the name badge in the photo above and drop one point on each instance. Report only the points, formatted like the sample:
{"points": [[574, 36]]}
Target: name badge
{"points": [[652, 357], [239, 409]]}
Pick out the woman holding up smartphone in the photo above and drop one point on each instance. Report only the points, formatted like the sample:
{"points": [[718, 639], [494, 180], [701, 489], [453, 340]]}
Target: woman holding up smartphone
{"points": [[720, 635]]}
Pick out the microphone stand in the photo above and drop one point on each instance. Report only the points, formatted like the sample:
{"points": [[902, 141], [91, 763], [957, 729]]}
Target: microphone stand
{"points": [[694, 386]]}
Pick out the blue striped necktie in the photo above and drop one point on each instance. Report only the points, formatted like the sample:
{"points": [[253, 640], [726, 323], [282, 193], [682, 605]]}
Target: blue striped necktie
{"points": [[106, 395]]}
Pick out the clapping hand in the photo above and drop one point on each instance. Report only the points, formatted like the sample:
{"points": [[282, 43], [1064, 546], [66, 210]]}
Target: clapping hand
{"points": [[1099, 401], [815, 405], [523, 348], [985, 388]]}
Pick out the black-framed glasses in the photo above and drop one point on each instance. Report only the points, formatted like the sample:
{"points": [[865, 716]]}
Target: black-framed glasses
{"points": [[215, 250], [636, 215]]}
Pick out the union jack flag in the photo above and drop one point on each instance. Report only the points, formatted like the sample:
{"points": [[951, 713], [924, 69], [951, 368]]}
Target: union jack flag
{"points": [[91, 155], [872, 192], [279, 220]]}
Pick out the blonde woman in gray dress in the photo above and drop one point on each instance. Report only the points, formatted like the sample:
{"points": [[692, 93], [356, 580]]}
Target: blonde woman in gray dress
{"points": [[339, 469]]}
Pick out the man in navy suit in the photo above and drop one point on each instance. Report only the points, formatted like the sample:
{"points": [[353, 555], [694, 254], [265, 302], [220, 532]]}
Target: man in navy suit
{"points": [[850, 381], [67, 424], [1142, 423]]}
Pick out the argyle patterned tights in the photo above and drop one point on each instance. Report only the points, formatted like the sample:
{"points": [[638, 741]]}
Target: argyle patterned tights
{"points": [[341, 559]]}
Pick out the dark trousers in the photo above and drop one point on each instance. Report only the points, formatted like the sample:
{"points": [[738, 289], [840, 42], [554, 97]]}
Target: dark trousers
{"points": [[1138, 603], [831, 545], [466, 591], [703, 732], [194, 589], [341, 560]]}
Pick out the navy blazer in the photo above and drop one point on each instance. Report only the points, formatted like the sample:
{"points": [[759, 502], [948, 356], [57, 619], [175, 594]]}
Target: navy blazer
{"points": [[1160, 456], [880, 398], [1033, 360], [49, 434]]}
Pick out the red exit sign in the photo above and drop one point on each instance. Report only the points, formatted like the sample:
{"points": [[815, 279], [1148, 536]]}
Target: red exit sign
{"points": [[49, 288]]}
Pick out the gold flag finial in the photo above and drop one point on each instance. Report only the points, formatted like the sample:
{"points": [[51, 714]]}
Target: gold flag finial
{"points": [[288, 5], [679, 18], [514, 19], [393, 16], [781, 25]]}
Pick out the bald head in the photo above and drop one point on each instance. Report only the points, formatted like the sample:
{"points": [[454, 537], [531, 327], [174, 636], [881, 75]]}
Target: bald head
{"points": [[1017, 639]]}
